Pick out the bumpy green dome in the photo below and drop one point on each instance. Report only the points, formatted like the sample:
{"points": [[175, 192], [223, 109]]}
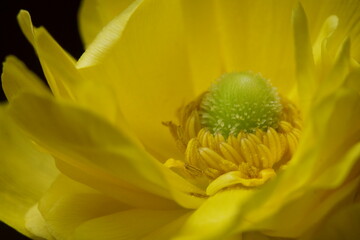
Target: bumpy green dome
{"points": [[240, 102]]}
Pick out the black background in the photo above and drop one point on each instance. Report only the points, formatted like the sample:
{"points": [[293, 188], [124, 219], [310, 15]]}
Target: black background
{"points": [[59, 17]]}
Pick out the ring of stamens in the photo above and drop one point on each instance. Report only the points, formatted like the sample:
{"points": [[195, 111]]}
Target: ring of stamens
{"points": [[244, 160]]}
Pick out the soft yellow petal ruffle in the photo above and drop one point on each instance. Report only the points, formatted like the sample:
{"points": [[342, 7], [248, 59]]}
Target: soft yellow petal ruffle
{"points": [[348, 12], [95, 14], [305, 67], [203, 43], [17, 78], [131, 224], [58, 87], [68, 204], [58, 127], [216, 216], [343, 224], [25, 174], [256, 36], [65, 80], [147, 66]]}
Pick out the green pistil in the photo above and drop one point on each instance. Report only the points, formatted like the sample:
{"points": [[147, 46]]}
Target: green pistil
{"points": [[240, 102]]}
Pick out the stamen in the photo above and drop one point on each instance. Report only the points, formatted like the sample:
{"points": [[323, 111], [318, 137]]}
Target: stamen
{"points": [[237, 157]]}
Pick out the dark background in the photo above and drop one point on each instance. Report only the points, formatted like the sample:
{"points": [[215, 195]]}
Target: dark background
{"points": [[59, 17]]}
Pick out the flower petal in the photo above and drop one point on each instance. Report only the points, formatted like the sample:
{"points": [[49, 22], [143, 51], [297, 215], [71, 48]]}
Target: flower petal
{"points": [[348, 12], [131, 224], [25, 174], [64, 79], [216, 216], [256, 36], [95, 14], [59, 128], [35, 223], [339, 71], [16, 78], [59, 88], [305, 66], [68, 204], [343, 224], [147, 67], [203, 43]]}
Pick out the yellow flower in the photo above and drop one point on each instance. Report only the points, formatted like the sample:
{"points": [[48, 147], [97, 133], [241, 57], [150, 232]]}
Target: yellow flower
{"points": [[92, 159]]}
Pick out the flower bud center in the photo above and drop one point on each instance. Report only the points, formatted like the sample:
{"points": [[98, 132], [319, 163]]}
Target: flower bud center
{"points": [[240, 102]]}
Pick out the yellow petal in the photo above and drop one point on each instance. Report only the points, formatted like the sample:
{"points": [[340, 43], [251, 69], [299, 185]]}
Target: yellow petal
{"points": [[298, 215], [320, 45], [25, 174], [203, 43], [35, 223], [131, 224], [122, 191], [59, 88], [16, 77], [338, 72], [68, 204], [169, 230], [255, 35], [147, 67], [352, 81], [343, 224], [216, 217], [64, 79], [95, 14], [305, 67], [59, 128], [348, 12]]}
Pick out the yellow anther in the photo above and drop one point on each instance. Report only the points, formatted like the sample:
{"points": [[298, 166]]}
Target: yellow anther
{"points": [[214, 161]]}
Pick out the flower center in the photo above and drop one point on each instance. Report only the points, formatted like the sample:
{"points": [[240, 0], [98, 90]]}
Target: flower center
{"points": [[240, 102], [238, 134]]}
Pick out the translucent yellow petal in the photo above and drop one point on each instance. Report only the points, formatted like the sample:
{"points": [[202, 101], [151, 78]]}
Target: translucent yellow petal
{"points": [[131, 224], [348, 12], [169, 230], [59, 88], [216, 217], [25, 174], [122, 191], [59, 128], [298, 215], [103, 44], [256, 236], [16, 77], [256, 36], [83, 90], [338, 72], [327, 30], [203, 43], [352, 81], [68, 204], [64, 79], [35, 223], [147, 66], [343, 224], [305, 68], [95, 14]]}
